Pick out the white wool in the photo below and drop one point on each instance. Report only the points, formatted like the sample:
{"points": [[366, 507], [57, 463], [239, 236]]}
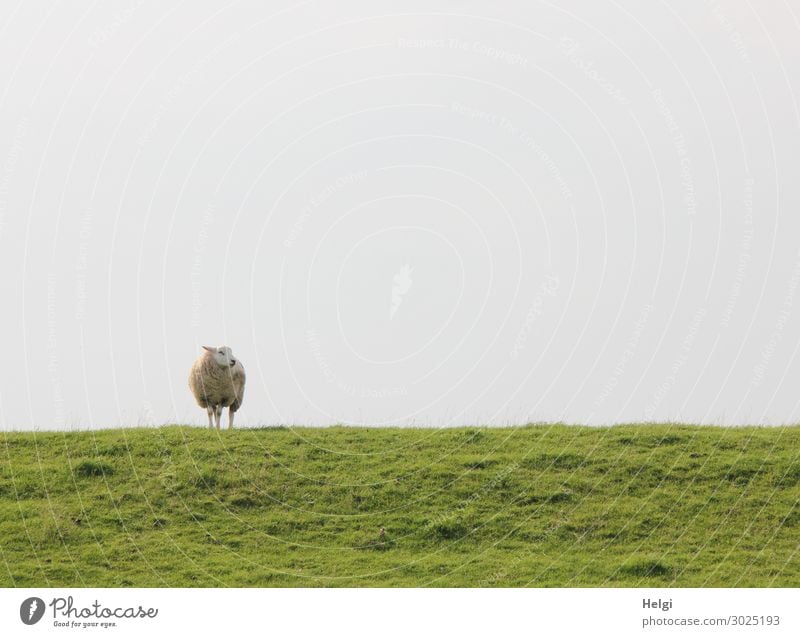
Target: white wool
{"points": [[217, 381]]}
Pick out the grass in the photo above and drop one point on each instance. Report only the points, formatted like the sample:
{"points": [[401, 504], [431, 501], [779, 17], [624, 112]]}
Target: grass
{"points": [[632, 505]]}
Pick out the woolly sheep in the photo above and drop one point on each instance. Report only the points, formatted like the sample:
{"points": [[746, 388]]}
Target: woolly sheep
{"points": [[217, 381]]}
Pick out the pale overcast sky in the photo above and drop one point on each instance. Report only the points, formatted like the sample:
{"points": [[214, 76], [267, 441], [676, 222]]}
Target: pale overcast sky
{"points": [[401, 213]]}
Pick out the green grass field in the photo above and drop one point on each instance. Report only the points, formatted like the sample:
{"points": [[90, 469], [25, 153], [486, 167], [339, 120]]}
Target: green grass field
{"points": [[632, 505]]}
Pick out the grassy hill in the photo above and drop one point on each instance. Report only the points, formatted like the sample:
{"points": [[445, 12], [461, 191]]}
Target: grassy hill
{"points": [[633, 505]]}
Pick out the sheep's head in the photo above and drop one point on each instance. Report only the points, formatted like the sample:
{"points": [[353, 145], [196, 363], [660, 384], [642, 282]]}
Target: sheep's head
{"points": [[223, 356]]}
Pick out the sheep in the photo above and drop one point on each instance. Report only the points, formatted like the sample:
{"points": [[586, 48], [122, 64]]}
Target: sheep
{"points": [[217, 381]]}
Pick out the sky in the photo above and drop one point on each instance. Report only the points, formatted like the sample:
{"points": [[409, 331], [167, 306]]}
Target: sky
{"points": [[401, 213]]}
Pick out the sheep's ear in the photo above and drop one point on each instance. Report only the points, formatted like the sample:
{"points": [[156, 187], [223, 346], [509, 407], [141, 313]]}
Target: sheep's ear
{"points": [[209, 349]]}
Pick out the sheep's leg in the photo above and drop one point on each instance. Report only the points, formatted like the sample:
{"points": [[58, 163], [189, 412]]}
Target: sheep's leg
{"points": [[218, 415], [230, 418], [210, 411]]}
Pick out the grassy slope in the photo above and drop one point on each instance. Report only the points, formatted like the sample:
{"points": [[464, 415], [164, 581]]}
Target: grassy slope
{"points": [[639, 505]]}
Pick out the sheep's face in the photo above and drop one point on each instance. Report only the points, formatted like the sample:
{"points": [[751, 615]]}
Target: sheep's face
{"points": [[223, 356]]}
